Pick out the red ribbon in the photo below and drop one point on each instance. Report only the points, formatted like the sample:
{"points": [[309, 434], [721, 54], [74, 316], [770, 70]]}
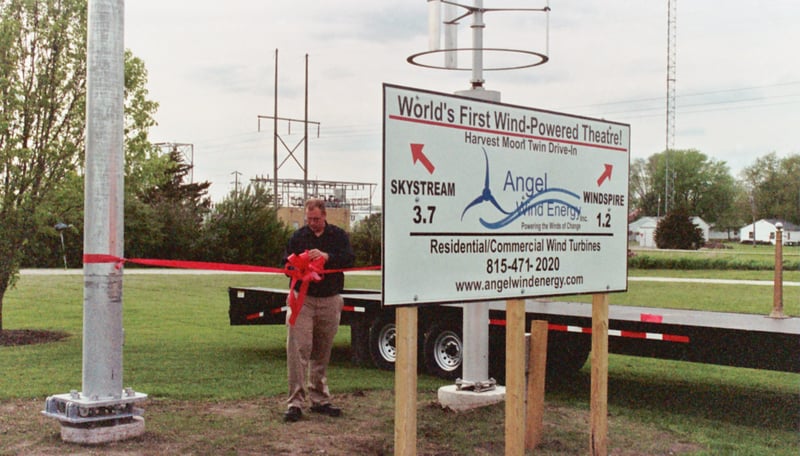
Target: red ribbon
{"points": [[204, 265], [181, 264], [304, 269], [298, 267]]}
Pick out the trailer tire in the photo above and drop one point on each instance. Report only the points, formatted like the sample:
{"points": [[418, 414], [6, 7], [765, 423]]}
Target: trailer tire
{"points": [[359, 343], [443, 350], [382, 342], [567, 353]]}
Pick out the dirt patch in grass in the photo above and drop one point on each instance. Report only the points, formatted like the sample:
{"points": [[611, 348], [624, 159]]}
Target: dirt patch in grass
{"points": [[15, 337], [256, 427]]}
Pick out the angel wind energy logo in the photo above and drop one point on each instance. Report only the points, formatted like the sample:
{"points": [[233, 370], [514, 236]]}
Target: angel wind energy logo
{"points": [[537, 199]]}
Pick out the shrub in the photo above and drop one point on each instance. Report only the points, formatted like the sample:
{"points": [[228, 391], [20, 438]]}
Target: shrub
{"points": [[676, 231]]}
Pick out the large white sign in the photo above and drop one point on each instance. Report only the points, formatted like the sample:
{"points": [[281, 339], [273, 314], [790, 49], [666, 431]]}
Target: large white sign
{"points": [[487, 201]]}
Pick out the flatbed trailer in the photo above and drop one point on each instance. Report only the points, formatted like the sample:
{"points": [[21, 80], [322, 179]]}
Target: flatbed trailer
{"points": [[731, 339]]}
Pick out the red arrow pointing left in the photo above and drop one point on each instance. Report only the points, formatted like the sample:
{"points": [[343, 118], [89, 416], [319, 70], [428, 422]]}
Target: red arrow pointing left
{"points": [[606, 174], [417, 155]]}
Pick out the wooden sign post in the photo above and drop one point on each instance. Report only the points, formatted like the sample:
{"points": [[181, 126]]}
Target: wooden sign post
{"points": [[486, 201], [598, 444], [405, 383], [515, 377], [537, 366]]}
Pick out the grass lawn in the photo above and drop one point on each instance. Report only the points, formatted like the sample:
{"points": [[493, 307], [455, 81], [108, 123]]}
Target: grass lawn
{"points": [[218, 389]]}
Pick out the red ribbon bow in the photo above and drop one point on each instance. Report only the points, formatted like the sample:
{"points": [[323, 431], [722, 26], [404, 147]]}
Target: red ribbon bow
{"points": [[301, 267]]}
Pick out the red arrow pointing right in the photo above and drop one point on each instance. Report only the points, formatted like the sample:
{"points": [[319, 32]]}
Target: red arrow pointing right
{"points": [[606, 174]]}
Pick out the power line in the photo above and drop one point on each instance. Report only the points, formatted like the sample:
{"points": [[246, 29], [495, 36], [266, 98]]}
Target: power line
{"points": [[683, 95]]}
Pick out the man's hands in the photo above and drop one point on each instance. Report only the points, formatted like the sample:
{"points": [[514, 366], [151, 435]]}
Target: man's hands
{"points": [[313, 254]]}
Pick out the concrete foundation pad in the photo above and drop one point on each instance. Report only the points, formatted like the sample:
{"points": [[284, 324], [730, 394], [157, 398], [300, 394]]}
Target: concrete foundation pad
{"points": [[102, 434], [459, 400]]}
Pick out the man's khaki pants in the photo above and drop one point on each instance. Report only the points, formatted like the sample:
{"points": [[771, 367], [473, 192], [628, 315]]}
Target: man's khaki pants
{"points": [[308, 349]]}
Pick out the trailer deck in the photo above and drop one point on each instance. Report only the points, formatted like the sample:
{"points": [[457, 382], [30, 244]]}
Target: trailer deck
{"points": [[723, 338]]}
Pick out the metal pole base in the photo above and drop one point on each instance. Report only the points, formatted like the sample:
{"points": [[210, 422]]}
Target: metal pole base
{"points": [[477, 387], [92, 420], [778, 314], [453, 398]]}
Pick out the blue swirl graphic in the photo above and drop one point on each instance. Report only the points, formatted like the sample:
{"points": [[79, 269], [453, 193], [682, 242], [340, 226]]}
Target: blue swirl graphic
{"points": [[523, 209]]}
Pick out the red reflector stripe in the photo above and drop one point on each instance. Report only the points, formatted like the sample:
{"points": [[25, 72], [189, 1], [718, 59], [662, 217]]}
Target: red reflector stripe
{"points": [[651, 318], [611, 332], [354, 309], [675, 338]]}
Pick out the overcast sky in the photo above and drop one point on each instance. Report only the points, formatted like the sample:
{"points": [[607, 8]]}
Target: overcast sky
{"points": [[211, 68]]}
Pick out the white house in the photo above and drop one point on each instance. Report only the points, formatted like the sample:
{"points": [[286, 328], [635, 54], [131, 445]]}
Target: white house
{"points": [[791, 234], [729, 235], [642, 231], [704, 227], [763, 231]]}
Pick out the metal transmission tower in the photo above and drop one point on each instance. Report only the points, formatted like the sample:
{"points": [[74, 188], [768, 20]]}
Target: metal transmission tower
{"points": [[672, 38], [277, 137]]}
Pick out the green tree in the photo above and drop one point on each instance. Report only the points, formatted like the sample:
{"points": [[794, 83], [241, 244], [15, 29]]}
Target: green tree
{"points": [[773, 187], [697, 185], [366, 241], [642, 187], [144, 163], [244, 229], [676, 231], [64, 205], [145, 168], [42, 128], [42, 98], [180, 208], [737, 215]]}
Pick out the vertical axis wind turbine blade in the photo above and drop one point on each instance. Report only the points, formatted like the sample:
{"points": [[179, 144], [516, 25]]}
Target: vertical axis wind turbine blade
{"points": [[450, 36], [434, 25]]}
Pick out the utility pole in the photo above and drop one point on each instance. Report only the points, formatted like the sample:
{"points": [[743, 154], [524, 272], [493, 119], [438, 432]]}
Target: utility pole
{"points": [[235, 182], [102, 411]]}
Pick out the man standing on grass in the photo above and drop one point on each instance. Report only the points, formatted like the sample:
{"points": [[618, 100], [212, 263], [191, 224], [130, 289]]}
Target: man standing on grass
{"points": [[310, 340]]}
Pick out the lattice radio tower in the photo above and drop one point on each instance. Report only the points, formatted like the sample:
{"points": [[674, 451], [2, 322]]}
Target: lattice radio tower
{"points": [[672, 38]]}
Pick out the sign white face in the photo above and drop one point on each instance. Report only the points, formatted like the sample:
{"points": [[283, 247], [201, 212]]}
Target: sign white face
{"points": [[486, 201]]}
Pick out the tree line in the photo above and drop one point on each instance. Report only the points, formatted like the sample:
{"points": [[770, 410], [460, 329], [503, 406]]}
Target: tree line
{"points": [[172, 220], [690, 182], [42, 139]]}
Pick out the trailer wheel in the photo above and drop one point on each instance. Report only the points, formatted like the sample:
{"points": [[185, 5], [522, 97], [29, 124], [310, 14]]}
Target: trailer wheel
{"points": [[443, 350], [567, 353], [382, 342], [359, 343]]}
